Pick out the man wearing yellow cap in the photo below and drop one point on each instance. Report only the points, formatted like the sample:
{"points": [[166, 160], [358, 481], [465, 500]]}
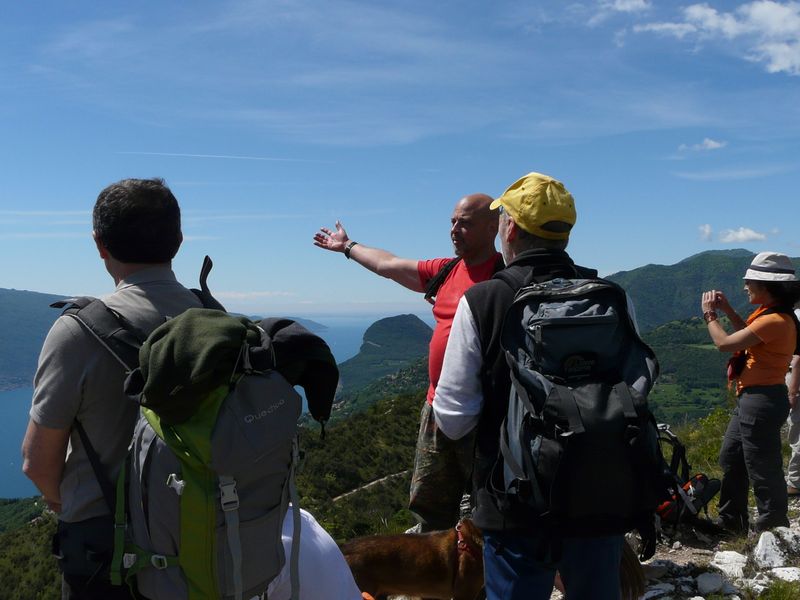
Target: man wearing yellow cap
{"points": [[536, 216]]}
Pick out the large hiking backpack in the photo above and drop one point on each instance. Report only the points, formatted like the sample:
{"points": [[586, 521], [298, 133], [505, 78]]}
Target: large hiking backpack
{"points": [[211, 462], [579, 446], [199, 507], [688, 493]]}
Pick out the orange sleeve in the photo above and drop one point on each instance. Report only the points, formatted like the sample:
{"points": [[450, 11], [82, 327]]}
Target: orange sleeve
{"points": [[769, 327]]}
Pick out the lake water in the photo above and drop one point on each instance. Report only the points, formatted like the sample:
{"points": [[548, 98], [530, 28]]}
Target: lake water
{"points": [[14, 407], [343, 335]]}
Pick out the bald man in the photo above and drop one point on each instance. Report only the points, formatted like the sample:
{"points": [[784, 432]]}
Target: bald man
{"points": [[441, 467]]}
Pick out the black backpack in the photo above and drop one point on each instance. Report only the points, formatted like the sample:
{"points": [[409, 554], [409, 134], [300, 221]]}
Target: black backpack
{"points": [[579, 445], [688, 493]]}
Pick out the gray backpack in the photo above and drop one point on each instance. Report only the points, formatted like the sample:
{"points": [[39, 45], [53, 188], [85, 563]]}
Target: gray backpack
{"points": [[211, 464], [579, 446]]}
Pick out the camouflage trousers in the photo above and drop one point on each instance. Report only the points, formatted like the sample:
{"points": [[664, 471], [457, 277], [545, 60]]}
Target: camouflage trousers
{"points": [[442, 473]]}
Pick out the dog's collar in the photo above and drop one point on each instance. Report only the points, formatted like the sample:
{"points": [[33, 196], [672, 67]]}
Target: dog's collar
{"points": [[463, 545]]}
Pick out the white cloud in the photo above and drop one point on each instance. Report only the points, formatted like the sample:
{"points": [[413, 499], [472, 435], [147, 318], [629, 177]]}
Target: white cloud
{"points": [[678, 30], [629, 5], [607, 8], [706, 145], [765, 31], [743, 234], [705, 232]]}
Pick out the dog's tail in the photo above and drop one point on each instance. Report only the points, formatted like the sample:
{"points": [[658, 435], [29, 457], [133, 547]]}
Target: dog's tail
{"points": [[631, 574]]}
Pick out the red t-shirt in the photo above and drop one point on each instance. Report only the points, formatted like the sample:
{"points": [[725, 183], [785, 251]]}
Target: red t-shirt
{"points": [[458, 281]]}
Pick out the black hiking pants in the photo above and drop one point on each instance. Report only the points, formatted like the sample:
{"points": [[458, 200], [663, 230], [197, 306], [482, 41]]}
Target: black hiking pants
{"points": [[84, 552], [751, 453]]}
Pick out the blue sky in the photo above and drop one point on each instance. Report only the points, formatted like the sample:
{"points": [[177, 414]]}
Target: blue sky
{"points": [[676, 126]]}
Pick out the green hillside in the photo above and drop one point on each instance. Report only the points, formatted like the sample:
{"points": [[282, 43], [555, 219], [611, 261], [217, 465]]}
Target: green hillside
{"points": [[25, 318], [17, 512], [28, 570], [389, 345], [413, 379], [368, 446], [692, 381], [664, 293]]}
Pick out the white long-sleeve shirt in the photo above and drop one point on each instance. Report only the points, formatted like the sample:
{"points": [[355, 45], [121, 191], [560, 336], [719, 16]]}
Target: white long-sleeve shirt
{"points": [[458, 401]]}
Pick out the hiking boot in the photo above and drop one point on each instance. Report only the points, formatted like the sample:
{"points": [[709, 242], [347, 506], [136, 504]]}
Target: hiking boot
{"points": [[730, 526], [761, 527]]}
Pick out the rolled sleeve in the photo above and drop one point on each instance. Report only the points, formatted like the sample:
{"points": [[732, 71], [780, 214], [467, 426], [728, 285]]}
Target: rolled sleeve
{"points": [[458, 400]]}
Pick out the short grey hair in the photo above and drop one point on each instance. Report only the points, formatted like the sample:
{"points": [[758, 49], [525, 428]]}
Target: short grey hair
{"points": [[529, 241]]}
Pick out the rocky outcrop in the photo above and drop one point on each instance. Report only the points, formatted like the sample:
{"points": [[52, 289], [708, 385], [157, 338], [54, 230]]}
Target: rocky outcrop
{"points": [[697, 573]]}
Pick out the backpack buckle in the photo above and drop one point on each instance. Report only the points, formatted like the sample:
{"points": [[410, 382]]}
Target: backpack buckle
{"points": [[159, 561], [176, 484], [229, 497]]}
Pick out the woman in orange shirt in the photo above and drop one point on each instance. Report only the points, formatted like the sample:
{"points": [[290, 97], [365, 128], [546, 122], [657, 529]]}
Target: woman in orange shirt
{"points": [[763, 346]]}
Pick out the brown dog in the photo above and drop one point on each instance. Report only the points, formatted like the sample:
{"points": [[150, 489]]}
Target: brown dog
{"points": [[444, 564], [441, 564]]}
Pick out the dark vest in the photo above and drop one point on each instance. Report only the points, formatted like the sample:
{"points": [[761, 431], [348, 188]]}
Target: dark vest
{"points": [[489, 301]]}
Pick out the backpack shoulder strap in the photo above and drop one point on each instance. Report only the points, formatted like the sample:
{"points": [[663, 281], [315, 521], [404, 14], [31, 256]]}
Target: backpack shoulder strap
{"points": [[435, 282], [99, 472], [499, 264], [117, 335], [114, 332]]}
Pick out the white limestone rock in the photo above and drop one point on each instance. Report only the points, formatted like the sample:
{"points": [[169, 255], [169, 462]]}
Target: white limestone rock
{"points": [[709, 583], [787, 573], [730, 563], [768, 553], [790, 537], [757, 584]]}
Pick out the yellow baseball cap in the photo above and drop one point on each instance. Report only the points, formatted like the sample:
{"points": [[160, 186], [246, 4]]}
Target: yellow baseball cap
{"points": [[540, 205]]}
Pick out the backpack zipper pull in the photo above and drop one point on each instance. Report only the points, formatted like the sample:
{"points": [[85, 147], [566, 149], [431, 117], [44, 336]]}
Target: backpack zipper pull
{"points": [[176, 484]]}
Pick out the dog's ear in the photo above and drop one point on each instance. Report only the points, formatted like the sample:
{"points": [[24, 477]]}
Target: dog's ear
{"points": [[472, 531]]}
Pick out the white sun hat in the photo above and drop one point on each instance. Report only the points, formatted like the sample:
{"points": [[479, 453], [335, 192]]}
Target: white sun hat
{"points": [[771, 266]]}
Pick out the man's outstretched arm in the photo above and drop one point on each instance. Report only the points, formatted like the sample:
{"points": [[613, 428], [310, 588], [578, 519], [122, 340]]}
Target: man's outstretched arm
{"points": [[401, 270]]}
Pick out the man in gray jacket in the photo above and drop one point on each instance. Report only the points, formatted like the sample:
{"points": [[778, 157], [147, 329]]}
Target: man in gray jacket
{"points": [[137, 231]]}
